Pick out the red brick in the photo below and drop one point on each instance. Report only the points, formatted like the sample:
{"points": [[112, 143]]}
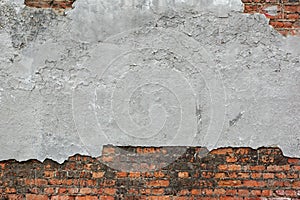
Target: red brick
{"points": [[243, 151], [156, 183], [2, 166], [296, 168], [196, 191], [252, 183], [10, 190], [219, 191], [183, 192], [62, 197], [134, 174], [266, 193], [98, 174], [87, 198], [159, 198], [222, 151], [159, 174], [220, 175], [62, 190], [109, 191], [107, 198], [36, 197], [234, 167], [243, 175], [231, 192], [49, 174], [296, 184], [280, 175], [85, 191], [229, 183], [257, 168], [208, 192], [158, 191], [49, 190], [121, 174], [255, 175], [290, 193], [243, 192], [293, 160], [278, 168], [256, 192], [73, 190], [279, 192], [231, 159], [223, 167], [268, 175], [183, 174], [292, 8], [15, 197]]}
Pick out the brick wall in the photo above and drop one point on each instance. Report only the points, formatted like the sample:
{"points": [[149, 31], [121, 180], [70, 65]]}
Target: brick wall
{"points": [[55, 4], [225, 173], [284, 15]]}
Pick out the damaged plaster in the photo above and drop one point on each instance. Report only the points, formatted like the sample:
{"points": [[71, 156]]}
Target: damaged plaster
{"points": [[150, 73]]}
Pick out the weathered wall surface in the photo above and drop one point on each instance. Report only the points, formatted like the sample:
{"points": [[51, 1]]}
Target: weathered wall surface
{"points": [[144, 73]]}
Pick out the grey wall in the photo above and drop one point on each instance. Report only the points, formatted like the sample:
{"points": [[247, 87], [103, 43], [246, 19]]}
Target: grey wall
{"points": [[152, 72]]}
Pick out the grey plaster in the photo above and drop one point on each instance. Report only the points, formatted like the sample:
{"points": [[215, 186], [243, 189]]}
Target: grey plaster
{"points": [[125, 72]]}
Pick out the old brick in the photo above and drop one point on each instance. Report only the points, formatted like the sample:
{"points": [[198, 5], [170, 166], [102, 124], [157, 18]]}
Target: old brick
{"points": [[109, 191], [278, 168], [266, 193], [290, 193], [15, 197], [159, 174], [49, 190], [134, 174], [57, 197], [98, 174], [87, 198], [85, 191], [234, 167], [121, 174], [156, 183], [243, 192], [252, 183], [257, 168], [222, 151], [229, 183], [268, 175], [183, 174], [220, 175], [36, 197]]}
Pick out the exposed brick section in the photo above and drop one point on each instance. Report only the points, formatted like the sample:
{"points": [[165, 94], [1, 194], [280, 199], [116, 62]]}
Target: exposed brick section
{"points": [[284, 15], [55, 4], [225, 173]]}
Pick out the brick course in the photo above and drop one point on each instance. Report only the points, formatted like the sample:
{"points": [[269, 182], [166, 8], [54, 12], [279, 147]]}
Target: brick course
{"points": [[252, 175]]}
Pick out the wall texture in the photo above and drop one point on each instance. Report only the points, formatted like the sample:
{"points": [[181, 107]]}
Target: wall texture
{"points": [[164, 73], [225, 173]]}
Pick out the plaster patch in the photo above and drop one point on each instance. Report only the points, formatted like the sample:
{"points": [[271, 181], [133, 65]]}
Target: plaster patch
{"points": [[174, 73]]}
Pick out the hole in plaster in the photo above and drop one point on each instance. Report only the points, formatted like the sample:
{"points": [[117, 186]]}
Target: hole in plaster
{"points": [[284, 16]]}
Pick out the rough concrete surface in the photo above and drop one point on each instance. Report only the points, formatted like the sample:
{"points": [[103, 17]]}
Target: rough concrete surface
{"points": [[151, 73]]}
